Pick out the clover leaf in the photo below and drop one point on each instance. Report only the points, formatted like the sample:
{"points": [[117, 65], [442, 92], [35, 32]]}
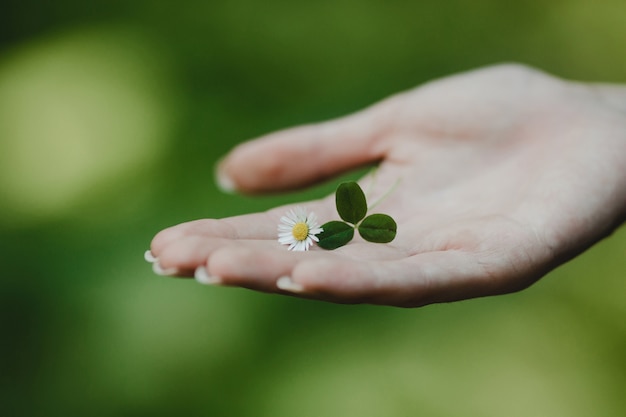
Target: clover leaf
{"points": [[352, 208], [378, 228], [335, 235], [351, 202]]}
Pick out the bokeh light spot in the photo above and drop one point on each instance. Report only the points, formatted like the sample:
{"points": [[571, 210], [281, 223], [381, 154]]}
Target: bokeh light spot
{"points": [[77, 112]]}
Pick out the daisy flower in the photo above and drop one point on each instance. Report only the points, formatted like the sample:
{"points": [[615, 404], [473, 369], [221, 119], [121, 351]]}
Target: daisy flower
{"points": [[298, 229]]}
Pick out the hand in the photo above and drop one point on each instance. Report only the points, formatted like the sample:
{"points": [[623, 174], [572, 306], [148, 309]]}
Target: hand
{"points": [[505, 173]]}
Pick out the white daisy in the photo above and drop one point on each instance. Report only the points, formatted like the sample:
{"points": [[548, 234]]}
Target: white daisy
{"points": [[298, 229]]}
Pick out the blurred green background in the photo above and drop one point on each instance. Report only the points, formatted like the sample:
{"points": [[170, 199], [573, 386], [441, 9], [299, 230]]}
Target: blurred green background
{"points": [[112, 116]]}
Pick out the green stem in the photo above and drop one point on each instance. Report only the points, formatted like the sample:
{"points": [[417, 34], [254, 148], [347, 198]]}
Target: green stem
{"points": [[380, 200]]}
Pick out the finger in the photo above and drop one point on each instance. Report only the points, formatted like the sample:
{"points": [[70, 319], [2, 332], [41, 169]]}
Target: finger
{"points": [[416, 281], [183, 256], [260, 264], [420, 280], [249, 226], [254, 268], [303, 155]]}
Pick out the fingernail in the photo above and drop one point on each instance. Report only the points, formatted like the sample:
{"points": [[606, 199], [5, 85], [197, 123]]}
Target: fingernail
{"points": [[159, 270], [149, 257], [202, 276], [224, 182], [287, 284]]}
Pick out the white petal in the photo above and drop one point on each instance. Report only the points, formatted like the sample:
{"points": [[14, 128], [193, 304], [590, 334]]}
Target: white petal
{"points": [[297, 246], [286, 240], [288, 221]]}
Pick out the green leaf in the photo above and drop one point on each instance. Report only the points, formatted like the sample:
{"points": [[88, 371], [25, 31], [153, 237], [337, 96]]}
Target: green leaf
{"points": [[351, 204], [378, 228], [335, 235]]}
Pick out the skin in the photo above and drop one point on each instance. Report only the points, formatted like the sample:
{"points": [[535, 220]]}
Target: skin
{"points": [[504, 174]]}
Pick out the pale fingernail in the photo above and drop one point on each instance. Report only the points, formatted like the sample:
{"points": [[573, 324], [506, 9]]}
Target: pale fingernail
{"points": [[224, 182], [149, 257], [287, 284], [159, 270], [202, 276]]}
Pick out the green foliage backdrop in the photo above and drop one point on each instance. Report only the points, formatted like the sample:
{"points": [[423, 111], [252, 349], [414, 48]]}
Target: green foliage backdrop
{"points": [[112, 116]]}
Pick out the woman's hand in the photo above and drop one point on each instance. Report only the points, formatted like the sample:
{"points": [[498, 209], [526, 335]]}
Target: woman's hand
{"points": [[504, 173]]}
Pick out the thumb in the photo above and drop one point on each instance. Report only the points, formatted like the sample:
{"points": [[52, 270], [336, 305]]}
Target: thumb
{"points": [[303, 155]]}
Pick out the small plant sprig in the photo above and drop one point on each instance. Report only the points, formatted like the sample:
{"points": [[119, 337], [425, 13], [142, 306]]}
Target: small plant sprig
{"points": [[352, 208]]}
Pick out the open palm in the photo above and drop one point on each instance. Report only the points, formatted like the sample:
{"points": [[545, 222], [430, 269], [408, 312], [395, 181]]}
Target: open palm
{"points": [[502, 174]]}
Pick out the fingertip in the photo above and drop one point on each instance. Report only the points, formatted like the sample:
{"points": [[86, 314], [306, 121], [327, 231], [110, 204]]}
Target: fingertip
{"points": [[202, 276], [257, 166], [287, 284], [290, 158], [166, 272], [224, 181], [149, 257], [161, 240]]}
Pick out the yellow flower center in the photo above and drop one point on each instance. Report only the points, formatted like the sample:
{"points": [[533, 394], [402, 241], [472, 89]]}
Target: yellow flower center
{"points": [[300, 231]]}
